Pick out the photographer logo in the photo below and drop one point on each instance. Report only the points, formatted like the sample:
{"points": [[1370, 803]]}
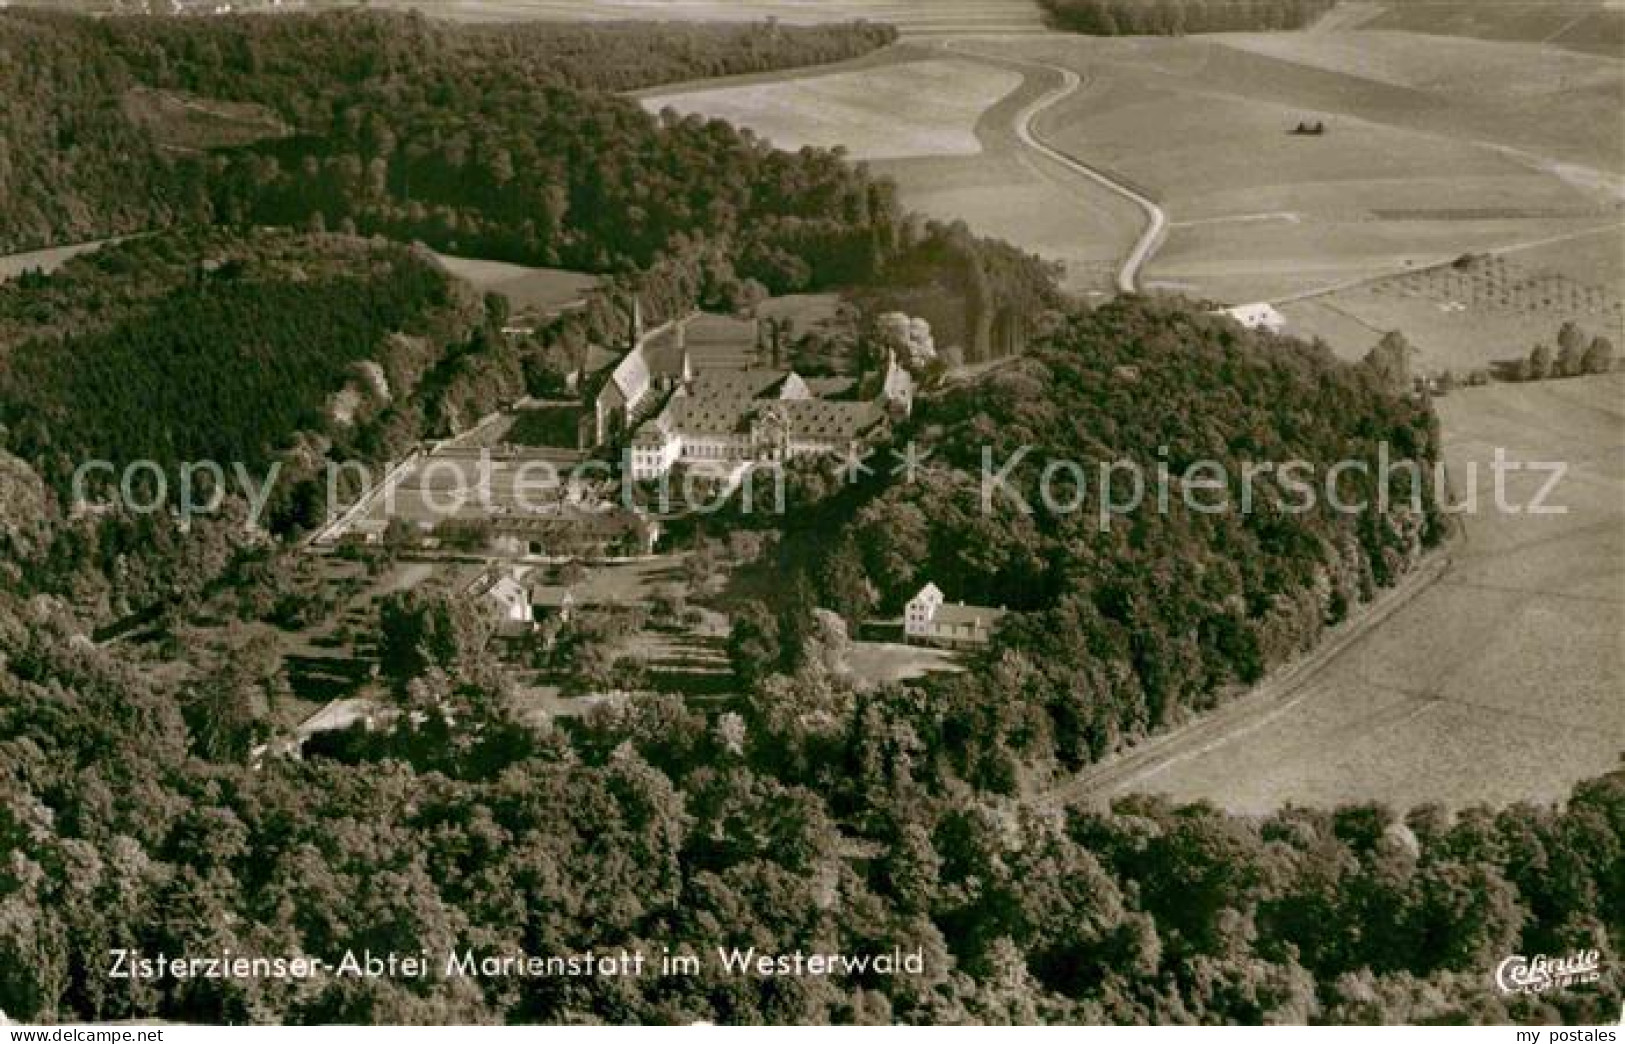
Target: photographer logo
{"points": [[1541, 974]]}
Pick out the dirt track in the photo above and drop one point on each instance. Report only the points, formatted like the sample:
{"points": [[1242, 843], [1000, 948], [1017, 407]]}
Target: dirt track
{"points": [[1495, 680], [1128, 275], [1256, 710]]}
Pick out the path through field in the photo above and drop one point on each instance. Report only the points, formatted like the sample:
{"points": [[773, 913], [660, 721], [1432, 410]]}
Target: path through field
{"points": [[1128, 276], [1431, 148]]}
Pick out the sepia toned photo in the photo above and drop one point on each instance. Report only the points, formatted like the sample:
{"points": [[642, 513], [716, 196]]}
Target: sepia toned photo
{"points": [[811, 513]]}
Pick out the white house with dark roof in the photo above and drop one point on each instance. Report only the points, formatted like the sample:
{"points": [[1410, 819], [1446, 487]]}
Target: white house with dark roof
{"points": [[930, 619]]}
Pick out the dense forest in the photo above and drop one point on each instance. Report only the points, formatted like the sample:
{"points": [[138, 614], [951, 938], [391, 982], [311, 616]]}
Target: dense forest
{"points": [[1128, 627], [497, 145], [230, 356], [1177, 17], [152, 808], [817, 818], [75, 165], [271, 349]]}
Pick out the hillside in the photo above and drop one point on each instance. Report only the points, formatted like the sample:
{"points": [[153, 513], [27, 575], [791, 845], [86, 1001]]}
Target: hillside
{"points": [[182, 348], [1434, 705], [1594, 26], [104, 118], [498, 145], [1133, 620]]}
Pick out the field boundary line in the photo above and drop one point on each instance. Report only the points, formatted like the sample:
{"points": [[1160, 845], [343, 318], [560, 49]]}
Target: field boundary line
{"points": [[1504, 250], [1274, 696]]}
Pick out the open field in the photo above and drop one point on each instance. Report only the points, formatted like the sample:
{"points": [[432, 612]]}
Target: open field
{"points": [[1013, 193], [910, 16], [923, 108], [1523, 95], [1027, 201], [998, 186], [722, 342], [803, 312], [187, 123], [1581, 25], [48, 260], [526, 288], [876, 664], [463, 484], [1462, 317], [1499, 683], [1434, 147]]}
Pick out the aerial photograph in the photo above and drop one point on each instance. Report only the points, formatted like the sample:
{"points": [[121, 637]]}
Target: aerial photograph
{"points": [[811, 513]]}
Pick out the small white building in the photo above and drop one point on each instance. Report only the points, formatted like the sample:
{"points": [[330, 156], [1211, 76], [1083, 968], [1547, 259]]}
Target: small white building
{"points": [[509, 600], [1260, 315], [931, 619]]}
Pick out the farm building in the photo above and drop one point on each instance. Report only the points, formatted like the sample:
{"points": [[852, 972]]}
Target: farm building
{"points": [[1260, 315], [929, 618], [508, 601]]}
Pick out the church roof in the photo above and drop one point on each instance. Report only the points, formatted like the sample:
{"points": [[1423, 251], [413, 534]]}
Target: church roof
{"points": [[930, 592]]}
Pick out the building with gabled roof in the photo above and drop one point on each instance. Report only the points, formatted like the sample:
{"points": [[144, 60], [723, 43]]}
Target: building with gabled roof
{"points": [[655, 362], [929, 618], [508, 601], [730, 419]]}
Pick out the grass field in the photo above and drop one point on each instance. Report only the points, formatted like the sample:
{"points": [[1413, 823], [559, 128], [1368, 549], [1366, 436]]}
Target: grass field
{"points": [[995, 185], [49, 260], [527, 289], [1581, 25], [188, 123], [466, 484], [922, 108], [1500, 683], [1434, 147], [876, 664], [911, 16], [803, 312], [1465, 317], [1010, 192]]}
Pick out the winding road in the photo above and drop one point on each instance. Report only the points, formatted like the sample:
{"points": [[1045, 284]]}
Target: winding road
{"points": [[1128, 275]]}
